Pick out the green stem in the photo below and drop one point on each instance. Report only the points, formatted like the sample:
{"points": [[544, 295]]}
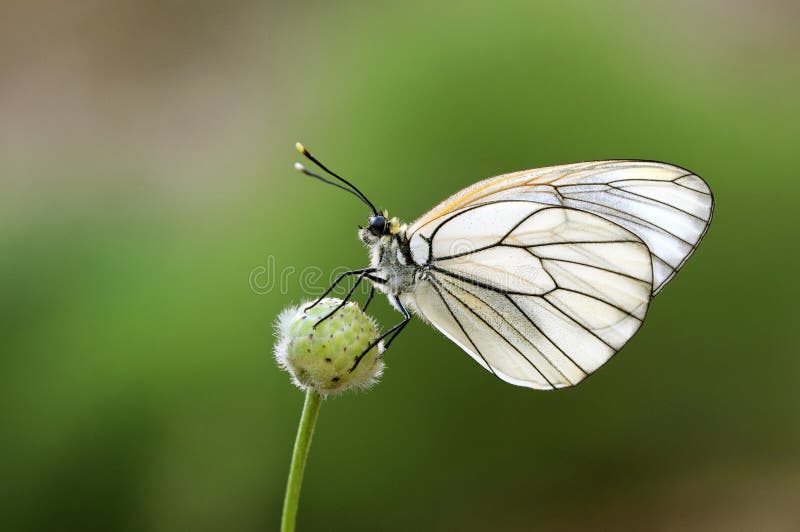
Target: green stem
{"points": [[305, 431]]}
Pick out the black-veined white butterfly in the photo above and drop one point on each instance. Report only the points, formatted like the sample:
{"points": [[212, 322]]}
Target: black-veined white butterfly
{"points": [[541, 275]]}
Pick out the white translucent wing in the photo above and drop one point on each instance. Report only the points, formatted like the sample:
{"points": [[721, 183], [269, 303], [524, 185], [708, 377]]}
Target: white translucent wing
{"points": [[539, 295], [667, 207]]}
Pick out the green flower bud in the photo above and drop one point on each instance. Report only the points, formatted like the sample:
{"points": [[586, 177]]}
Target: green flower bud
{"points": [[322, 357]]}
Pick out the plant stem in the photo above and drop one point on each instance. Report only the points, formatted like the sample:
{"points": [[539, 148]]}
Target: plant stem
{"points": [[308, 419]]}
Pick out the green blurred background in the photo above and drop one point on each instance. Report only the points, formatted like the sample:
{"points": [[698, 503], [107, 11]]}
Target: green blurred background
{"points": [[146, 184]]}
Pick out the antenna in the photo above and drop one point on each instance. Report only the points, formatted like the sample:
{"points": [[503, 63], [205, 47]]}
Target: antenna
{"points": [[352, 188]]}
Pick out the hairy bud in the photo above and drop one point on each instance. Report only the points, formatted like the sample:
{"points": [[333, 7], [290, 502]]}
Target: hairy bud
{"points": [[322, 355]]}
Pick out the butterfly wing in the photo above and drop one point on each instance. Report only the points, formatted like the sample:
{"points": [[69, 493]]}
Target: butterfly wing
{"points": [[667, 207], [540, 295]]}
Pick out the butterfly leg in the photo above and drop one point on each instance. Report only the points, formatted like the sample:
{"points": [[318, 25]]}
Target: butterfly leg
{"points": [[336, 282], [391, 333], [369, 297], [344, 301]]}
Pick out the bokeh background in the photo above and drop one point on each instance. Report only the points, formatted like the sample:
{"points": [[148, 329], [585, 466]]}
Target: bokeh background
{"points": [[151, 227]]}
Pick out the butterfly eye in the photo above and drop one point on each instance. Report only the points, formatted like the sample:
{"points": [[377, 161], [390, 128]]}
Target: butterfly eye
{"points": [[377, 225]]}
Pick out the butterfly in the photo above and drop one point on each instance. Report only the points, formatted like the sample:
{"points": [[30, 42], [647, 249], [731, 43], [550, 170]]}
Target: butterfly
{"points": [[541, 275]]}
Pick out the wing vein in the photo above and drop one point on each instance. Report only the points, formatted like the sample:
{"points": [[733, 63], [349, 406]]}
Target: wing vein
{"points": [[458, 322], [520, 333], [549, 259], [474, 281], [547, 337], [687, 213], [590, 296], [623, 216], [490, 326]]}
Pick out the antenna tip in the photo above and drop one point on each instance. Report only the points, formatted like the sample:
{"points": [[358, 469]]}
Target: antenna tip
{"points": [[299, 167], [299, 147]]}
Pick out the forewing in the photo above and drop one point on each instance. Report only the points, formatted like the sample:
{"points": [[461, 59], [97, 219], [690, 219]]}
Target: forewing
{"points": [[667, 207], [539, 295]]}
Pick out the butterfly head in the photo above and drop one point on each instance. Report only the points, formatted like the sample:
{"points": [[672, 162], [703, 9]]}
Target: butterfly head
{"points": [[379, 225]]}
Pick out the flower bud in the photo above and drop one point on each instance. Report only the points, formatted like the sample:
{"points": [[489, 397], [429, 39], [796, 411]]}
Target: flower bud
{"points": [[322, 357]]}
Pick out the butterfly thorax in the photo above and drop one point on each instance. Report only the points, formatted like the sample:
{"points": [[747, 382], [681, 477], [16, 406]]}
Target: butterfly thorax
{"points": [[390, 255]]}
